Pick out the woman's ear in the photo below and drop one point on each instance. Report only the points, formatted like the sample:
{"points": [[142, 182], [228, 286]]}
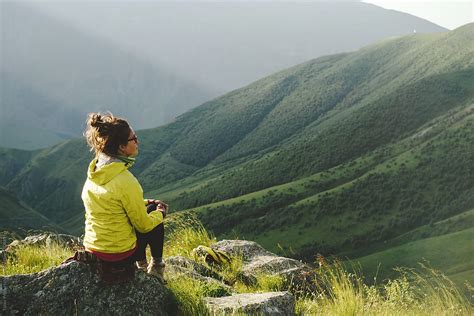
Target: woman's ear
{"points": [[121, 148]]}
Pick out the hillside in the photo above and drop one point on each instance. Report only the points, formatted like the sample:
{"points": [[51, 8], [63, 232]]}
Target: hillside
{"points": [[227, 44], [345, 154], [16, 216], [61, 60]]}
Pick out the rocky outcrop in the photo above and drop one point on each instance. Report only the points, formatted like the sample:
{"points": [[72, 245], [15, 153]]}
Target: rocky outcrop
{"points": [[272, 303], [257, 260], [47, 239], [75, 289]]}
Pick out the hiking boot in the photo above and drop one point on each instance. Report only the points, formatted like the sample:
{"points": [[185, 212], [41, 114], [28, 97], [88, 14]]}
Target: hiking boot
{"points": [[157, 269], [142, 265]]}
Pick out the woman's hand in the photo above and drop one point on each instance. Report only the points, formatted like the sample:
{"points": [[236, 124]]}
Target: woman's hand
{"points": [[160, 206], [159, 203]]}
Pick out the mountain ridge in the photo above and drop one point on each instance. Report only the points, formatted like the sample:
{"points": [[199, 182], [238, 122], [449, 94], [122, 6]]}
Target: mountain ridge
{"points": [[377, 161]]}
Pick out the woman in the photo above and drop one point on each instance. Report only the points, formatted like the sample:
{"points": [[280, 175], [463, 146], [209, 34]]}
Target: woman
{"points": [[119, 225]]}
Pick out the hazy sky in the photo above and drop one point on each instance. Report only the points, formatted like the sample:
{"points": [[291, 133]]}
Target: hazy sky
{"points": [[447, 13]]}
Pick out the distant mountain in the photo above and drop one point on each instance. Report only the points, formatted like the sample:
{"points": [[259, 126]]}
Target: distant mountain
{"points": [[52, 75], [16, 216], [353, 154], [228, 44], [62, 60], [31, 120]]}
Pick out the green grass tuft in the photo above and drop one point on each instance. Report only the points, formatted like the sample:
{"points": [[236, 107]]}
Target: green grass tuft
{"points": [[184, 233], [413, 293], [31, 259]]}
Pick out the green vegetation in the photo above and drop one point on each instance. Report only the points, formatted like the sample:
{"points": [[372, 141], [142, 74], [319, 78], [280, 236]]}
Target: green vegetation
{"points": [[340, 292], [17, 216], [411, 293], [453, 253], [348, 155], [30, 259]]}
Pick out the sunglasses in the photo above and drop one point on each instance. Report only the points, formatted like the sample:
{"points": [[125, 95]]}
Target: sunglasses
{"points": [[134, 138]]}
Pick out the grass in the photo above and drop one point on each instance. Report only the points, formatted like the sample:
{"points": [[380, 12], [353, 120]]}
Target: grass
{"points": [[30, 259], [184, 233], [411, 293], [452, 253], [340, 291]]}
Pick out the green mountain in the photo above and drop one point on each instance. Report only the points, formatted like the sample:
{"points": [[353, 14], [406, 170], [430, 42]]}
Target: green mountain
{"points": [[17, 216], [354, 154], [63, 60]]}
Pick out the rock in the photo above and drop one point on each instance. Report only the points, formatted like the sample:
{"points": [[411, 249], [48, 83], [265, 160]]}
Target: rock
{"points": [[257, 260], [74, 288], [64, 240], [177, 266], [272, 303], [244, 248], [47, 239]]}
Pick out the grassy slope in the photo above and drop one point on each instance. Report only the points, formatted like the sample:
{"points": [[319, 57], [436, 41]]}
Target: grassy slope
{"points": [[452, 253], [15, 214], [368, 128], [323, 151], [381, 204], [52, 180], [417, 57], [285, 108]]}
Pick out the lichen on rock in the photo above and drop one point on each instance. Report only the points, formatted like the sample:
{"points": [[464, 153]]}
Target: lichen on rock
{"points": [[74, 288], [271, 303]]}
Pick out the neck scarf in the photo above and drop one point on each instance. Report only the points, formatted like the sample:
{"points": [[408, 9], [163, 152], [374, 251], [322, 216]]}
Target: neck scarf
{"points": [[129, 161], [105, 160]]}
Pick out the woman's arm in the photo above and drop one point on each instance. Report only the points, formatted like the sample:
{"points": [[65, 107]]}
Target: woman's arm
{"points": [[133, 203]]}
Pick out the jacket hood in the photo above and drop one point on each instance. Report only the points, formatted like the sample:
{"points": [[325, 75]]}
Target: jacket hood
{"points": [[106, 173]]}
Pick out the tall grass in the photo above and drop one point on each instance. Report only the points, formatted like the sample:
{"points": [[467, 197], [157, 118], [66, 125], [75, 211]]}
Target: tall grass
{"points": [[413, 293], [30, 259], [184, 232], [340, 291]]}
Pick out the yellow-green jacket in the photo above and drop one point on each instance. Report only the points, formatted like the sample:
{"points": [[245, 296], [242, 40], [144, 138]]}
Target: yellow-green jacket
{"points": [[114, 204]]}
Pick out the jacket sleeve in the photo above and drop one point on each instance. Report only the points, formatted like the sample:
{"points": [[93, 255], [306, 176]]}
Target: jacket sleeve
{"points": [[133, 203]]}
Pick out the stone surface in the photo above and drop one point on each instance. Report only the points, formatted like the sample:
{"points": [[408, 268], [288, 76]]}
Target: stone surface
{"points": [[74, 289], [257, 260], [244, 248], [272, 303], [47, 239]]}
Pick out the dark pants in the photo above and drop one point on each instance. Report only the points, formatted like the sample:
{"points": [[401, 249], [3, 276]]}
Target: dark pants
{"points": [[155, 238]]}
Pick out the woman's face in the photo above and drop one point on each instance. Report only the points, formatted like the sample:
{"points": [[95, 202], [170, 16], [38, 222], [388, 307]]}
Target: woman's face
{"points": [[131, 149]]}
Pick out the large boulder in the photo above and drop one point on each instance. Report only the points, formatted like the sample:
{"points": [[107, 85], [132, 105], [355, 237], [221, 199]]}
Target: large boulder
{"points": [[297, 275], [74, 288], [272, 303]]}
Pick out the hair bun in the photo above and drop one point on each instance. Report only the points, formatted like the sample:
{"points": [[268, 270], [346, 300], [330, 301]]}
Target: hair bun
{"points": [[95, 119]]}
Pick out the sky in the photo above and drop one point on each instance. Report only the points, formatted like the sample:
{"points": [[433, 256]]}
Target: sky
{"points": [[447, 13]]}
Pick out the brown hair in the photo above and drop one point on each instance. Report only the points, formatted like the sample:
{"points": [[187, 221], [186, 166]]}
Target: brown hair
{"points": [[105, 132]]}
